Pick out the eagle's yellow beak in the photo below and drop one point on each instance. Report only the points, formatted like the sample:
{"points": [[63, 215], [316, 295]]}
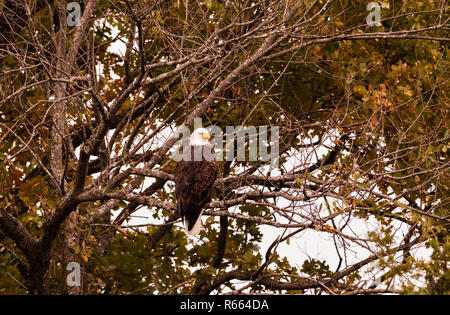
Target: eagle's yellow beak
{"points": [[206, 136]]}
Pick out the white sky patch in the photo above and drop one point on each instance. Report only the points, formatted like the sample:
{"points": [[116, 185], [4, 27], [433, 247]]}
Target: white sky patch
{"points": [[118, 47]]}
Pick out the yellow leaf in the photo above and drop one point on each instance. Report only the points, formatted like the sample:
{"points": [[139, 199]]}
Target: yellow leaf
{"points": [[385, 5], [360, 89], [409, 93]]}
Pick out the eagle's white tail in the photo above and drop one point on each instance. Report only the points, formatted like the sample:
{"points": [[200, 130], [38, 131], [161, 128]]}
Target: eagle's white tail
{"points": [[197, 226]]}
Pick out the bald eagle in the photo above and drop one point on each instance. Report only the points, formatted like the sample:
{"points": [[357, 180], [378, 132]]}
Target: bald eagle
{"points": [[195, 174]]}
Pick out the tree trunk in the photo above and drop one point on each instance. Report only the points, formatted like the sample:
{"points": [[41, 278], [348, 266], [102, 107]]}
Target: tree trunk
{"points": [[38, 273], [71, 239]]}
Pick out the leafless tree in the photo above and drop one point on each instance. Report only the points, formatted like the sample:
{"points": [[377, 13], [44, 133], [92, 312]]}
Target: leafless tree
{"points": [[95, 139]]}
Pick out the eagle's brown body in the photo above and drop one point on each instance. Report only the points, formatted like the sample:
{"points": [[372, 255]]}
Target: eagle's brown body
{"points": [[194, 179]]}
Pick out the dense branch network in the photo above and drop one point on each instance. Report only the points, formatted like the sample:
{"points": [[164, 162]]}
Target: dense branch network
{"points": [[98, 140]]}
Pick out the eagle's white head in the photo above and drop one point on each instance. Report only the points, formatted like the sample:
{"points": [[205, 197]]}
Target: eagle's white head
{"points": [[200, 136]]}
